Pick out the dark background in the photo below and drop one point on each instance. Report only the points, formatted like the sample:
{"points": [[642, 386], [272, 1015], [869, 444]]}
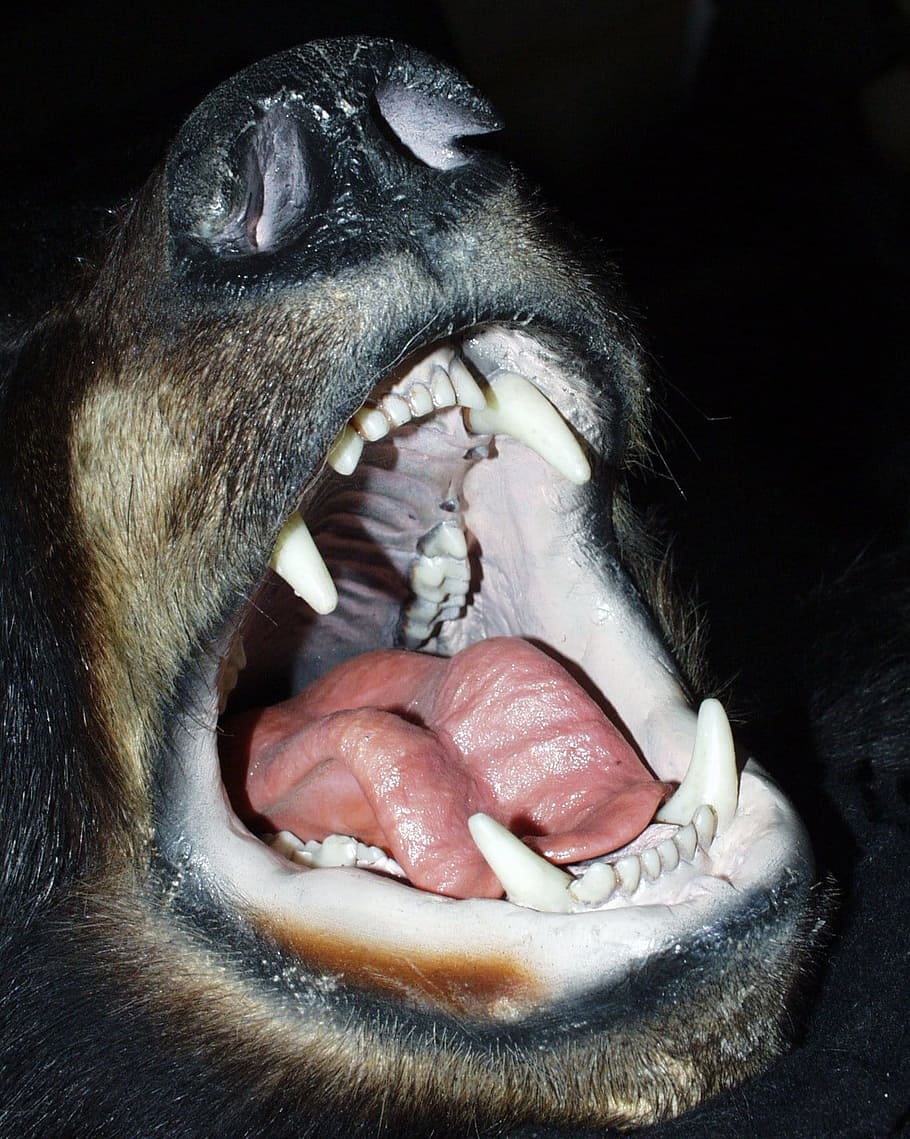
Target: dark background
{"points": [[747, 165]]}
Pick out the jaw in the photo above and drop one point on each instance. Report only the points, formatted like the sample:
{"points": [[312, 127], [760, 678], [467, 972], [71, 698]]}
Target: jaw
{"points": [[536, 570]]}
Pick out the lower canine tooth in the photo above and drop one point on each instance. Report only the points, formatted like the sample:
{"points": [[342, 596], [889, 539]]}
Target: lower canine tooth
{"points": [[527, 879], [712, 777], [299, 562], [516, 407]]}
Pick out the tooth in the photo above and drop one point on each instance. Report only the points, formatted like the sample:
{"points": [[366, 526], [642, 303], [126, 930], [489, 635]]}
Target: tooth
{"points": [[527, 879], [441, 388], [650, 863], [370, 423], [345, 452], [712, 777], [596, 884], [299, 562], [428, 573], [516, 407], [369, 855], [628, 871], [467, 390], [285, 842], [669, 854], [233, 664], [419, 400], [705, 822], [686, 839], [444, 539], [396, 410], [337, 850]]}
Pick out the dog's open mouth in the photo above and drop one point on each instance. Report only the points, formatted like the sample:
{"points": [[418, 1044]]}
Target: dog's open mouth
{"points": [[453, 689], [435, 713]]}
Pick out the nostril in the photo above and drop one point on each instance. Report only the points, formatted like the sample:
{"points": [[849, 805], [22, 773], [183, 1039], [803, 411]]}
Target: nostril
{"points": [[265, 195], [430, 125]]}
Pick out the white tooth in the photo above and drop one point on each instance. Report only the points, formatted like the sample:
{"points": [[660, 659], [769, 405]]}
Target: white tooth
{"points": [[686, 839], [596, 884], [299, 562], [428, 573], [516, 407], [458, 574], [705, 822], [396, 409], [467, 390], [445, 539], [370, 423], [712, 777], [527, 879], [628, 871], [441, 388], [335, 850], [452, 610], [285, 842], [669, 854], [650, 863], [419, 400], [237, 653], [369, 855], [345, 452]]}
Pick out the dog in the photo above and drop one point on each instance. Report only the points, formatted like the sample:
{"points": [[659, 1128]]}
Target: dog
{"points": [[356, 776]]}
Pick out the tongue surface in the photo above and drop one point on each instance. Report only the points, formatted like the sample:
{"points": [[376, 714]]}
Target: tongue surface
{"points": [[399, 749]]}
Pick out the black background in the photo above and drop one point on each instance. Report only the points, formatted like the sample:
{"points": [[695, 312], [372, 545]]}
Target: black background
{"points": [[747, 165]]}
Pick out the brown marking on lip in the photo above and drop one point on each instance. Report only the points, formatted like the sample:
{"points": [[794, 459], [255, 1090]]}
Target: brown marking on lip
{"points": [[490, 986]]}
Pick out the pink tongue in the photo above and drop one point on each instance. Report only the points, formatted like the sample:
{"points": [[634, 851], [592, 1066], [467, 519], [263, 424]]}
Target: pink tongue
{"points": [[400, 749]]}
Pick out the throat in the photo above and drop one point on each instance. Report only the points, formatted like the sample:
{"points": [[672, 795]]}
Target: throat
{"points": [[401, 748]]}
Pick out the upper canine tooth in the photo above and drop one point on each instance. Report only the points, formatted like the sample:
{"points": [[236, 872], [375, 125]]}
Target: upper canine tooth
{"points": [[516, 407], [345, 452], [527, 879], [712, 777], [299, 562], [467, 390]]}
